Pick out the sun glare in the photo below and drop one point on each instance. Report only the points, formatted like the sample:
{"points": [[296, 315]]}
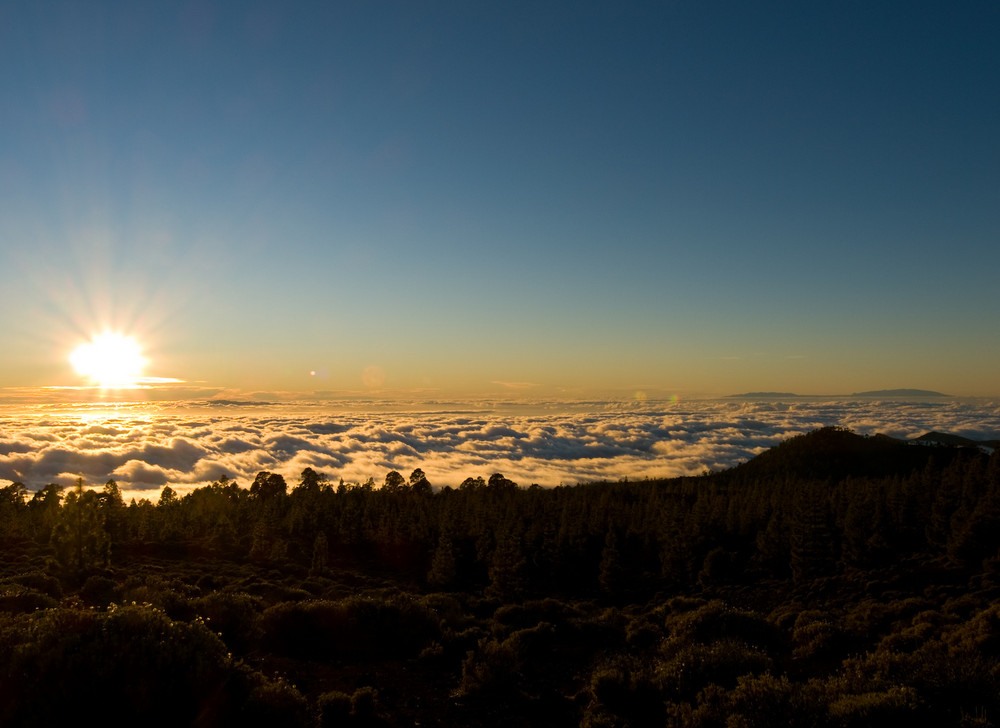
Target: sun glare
{"points": [[110, 361]]}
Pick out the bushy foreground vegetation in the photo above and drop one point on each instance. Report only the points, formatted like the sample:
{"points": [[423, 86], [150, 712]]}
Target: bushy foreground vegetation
{"points": [[833, 581]]}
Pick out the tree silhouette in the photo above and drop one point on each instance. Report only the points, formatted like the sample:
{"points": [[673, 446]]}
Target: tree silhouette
{"points": [[268, 487], [44, 509], [13, 511], [320, 555], [168, 497], [610, 572], [79, 537], [310, 481], [393, 481], [419, 483], [811, 539], [506, 570], [443, 570]]}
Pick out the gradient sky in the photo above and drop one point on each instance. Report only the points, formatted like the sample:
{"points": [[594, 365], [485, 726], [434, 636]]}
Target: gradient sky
{"points": [[453, 198]]}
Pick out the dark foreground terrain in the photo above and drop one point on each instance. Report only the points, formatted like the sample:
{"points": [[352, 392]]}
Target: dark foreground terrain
{"points": [[834, 580]]}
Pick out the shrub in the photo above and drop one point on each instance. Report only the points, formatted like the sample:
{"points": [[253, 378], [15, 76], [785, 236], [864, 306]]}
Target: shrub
{"points": [[622, 694], [125, 666], [692, 667], [531, 613], [716, 621], [19, 599], [309, 630], [495, 667], [447, 609], [817, 638], [766, 700], [357, 626], [504, 666], [641, 633], [948, 678], [875, 708], [99, 591], [364, 704], [234, 615], [172, 596], [334, 709], [273, 703], [38, 581]]}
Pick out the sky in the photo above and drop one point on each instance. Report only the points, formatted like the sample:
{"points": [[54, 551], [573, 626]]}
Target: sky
{"points": [[502, 199]]}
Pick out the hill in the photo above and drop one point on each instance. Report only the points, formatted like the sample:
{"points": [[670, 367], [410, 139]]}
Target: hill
{"points": [[872, 393], [900, 393], [762, 395], [834, 453], [948, 440]]}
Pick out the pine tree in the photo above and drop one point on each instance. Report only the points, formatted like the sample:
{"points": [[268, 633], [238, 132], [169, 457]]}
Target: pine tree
{"points": [[443, 568], [44, 507], [13, 511], [112, 507], [507, 569], [223, 533], [812, 541], [611, 575], [261, 542], [79, 537], [321, 554]]}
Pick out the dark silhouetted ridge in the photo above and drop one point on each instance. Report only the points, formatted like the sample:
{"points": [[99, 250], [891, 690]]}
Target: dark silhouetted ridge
{"points": [[900, 393], [834, 453], [948, 440], [944, 438], [763, 395]]}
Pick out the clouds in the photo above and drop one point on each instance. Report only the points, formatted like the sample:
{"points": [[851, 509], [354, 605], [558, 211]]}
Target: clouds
{"points": [[145, 449]]}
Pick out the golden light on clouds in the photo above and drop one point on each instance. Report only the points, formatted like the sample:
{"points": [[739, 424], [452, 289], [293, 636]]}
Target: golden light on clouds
{"points": [[110, 361]]}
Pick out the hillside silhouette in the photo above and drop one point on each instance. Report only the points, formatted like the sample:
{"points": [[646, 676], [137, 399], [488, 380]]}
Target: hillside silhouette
{"points": [[833, 453], [900, 393]]}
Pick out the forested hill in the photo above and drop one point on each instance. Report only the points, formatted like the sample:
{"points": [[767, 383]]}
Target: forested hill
{"points": [[834, 580], [900, 393], [917, 498], [833, 453]]}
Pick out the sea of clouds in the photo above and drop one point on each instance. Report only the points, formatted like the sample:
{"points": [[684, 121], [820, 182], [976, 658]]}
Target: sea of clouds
{"points": [[145, 447]]}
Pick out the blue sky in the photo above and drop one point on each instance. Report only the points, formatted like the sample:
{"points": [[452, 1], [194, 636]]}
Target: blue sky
{"points": [[421, 199]]}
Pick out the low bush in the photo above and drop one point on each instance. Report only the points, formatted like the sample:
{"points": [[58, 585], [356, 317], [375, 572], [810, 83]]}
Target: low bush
{"points": [[99, 591], [121, 667], [688, 668], [356, 627], [717, 621], [18, 599], [233, 615]]}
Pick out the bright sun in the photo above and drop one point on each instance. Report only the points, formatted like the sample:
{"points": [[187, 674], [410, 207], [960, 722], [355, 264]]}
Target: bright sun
{"points": [[110, 361]]}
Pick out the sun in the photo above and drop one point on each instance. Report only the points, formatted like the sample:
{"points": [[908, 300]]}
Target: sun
{"points": [[110, 361]]}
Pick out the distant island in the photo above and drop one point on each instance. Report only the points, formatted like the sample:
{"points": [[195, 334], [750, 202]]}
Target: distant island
{"points": [[873, 393], [764, 394], [900, 393]]}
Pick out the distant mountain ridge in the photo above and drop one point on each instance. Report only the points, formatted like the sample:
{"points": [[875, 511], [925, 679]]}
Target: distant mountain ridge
{"points": [[872, 393], [949, 440], [765, 394], [900, 393]]}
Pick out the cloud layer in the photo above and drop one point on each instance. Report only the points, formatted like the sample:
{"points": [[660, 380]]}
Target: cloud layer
{"points": [[146, 447]]}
